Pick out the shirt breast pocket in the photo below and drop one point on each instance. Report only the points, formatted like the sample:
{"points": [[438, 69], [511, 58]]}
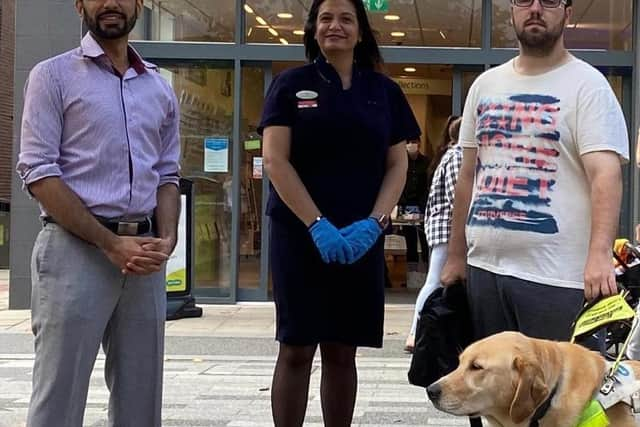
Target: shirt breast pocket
{"points": [[312, 121]]}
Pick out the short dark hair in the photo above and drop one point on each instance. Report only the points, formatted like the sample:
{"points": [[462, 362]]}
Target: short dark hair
{"points": [[366, 53], [569, 3]]}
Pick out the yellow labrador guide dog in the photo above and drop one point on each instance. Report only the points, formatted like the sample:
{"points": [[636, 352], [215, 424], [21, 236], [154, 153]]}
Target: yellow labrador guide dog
{"points": [[515, 381]]}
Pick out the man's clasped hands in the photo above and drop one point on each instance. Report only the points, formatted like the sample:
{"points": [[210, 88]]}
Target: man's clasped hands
{"points": [[139, 255], [347, 245]]}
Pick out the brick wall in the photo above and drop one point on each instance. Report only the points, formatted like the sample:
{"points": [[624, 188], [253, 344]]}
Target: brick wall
{"points": [[7, 44]]}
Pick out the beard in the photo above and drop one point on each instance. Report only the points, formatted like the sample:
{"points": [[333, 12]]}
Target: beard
{"points": [[539, 43], [110, 31]]}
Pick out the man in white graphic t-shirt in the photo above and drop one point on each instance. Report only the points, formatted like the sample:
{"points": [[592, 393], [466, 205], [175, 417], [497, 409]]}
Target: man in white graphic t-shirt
{"points": [[540, 184]]}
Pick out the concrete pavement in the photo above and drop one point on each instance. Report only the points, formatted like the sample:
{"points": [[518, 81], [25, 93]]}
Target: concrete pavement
{"points": [[4, 289], [218, 372]]}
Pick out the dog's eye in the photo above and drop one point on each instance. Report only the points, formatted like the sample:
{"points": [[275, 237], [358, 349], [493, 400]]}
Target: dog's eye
{"points": [[475, 366]]}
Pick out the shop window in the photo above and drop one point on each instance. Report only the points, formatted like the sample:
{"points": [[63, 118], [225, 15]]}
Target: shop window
{"points": [[453, 23], [187, 20], [279, 21], [433, 23], [601, 24]]}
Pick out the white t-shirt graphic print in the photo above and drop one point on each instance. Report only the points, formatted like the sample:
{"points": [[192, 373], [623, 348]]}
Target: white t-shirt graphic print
{"points": [[530, 215], [516, 179]]}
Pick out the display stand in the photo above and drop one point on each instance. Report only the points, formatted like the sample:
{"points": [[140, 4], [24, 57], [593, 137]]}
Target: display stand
{"points": [[180, 302]]}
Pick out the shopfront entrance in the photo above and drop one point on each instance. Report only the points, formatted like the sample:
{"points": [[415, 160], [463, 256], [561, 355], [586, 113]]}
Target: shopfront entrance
{"points": [[228, 187], [229, 269], [220, 79], [220, 56], [230, 231]]}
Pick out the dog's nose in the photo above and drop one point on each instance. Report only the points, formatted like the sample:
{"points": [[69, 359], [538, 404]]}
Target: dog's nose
{"points": [[434, 391]]}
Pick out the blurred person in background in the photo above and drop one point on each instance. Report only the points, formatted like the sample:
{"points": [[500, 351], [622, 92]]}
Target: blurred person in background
{"points": [[412, 205], [437, 220]]}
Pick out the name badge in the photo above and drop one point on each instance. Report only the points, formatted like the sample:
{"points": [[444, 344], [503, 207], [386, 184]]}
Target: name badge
{"points": [[306, 94]]}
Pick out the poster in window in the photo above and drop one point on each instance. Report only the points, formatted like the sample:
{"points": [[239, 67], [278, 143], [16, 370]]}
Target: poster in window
{"points": [[216, 154]]}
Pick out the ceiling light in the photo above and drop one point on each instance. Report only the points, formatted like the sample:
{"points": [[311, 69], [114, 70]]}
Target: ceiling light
{"points": [[273, 32], [397, 34], [283, 41], [443, 35], [391, 17], [248, 9], [250, 31], [298, 32], [260, 20], [410, 69], [285, 15]]}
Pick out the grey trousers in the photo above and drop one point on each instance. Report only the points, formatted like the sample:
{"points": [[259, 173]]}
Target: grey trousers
{"points": [[504, 303], [79, 300]]}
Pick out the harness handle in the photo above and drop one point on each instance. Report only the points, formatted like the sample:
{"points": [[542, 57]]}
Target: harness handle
{"points": [[615, 365]]}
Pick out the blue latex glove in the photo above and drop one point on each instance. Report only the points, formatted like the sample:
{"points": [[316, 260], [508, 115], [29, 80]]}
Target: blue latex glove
{"points": [[332, 246], [361, 235]]}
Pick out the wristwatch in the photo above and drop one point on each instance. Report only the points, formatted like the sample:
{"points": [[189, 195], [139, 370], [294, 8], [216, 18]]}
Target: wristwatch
{"points": [[382, 220]]}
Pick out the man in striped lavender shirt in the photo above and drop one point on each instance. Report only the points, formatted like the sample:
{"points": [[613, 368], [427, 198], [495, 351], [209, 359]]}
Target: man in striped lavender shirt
{"points": [[99, 151]]}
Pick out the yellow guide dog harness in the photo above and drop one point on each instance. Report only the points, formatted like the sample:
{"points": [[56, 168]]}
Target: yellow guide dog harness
{"points": [[620, 383]]}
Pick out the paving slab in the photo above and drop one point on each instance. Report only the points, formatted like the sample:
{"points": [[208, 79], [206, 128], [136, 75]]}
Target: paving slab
{"points": [[238, 394], [218, 372]]}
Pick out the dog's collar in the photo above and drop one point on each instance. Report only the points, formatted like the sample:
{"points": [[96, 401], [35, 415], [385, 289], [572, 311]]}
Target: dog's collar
{"points": [[542, 409]]}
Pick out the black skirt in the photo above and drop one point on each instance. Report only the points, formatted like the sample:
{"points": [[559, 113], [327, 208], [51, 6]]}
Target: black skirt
{"points": [[318, 302]]}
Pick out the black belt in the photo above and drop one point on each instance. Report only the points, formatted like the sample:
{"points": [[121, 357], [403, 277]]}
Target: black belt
{"points": [[120, 227]]}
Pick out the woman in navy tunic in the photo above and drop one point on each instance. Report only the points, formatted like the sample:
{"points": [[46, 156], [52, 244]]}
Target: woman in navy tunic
{"points": [[334, 133]]}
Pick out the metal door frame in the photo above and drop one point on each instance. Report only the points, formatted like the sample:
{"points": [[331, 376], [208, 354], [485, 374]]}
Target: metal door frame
{"points": [[262, 293]]}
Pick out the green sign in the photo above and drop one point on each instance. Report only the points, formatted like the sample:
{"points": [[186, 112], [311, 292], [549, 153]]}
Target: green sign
{"points": [[376, 5], [252, 144]]}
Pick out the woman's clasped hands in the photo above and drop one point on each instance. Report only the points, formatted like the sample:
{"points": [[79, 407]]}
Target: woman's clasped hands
{"points": [[347, 245]]}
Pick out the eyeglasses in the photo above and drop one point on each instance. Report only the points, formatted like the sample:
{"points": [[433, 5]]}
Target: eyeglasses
{"points": [[547, 4]]}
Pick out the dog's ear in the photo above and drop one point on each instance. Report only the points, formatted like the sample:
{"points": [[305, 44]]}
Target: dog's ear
{"points": [[530, 392]]}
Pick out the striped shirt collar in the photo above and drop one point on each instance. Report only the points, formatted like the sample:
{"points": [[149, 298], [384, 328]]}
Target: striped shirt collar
{"points": [[91, 49]]}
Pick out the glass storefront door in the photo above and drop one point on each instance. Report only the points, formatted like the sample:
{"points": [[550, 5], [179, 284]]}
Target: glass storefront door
{"points": [[428, 88], [205, 95], [252, 248], [205, 92]]}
